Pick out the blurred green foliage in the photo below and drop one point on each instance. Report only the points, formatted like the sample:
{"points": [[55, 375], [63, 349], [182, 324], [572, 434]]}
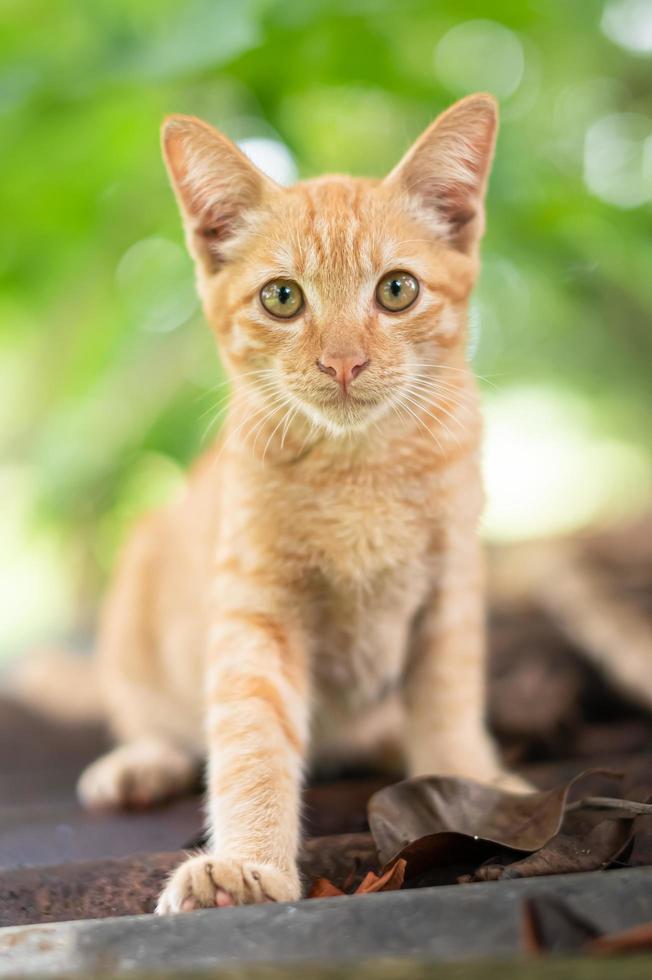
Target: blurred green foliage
{"points": [[106, 369]]}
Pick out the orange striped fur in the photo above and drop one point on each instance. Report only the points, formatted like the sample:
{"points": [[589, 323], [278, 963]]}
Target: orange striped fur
{"points": [[320, 581]]}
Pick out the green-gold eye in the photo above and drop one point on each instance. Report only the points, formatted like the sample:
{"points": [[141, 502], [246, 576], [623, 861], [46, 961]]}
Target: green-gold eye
{"points": [[396, 291], [282, 298]]}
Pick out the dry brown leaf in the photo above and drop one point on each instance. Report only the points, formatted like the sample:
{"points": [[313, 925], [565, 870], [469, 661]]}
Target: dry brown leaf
{"points": [[389, 881], [367, 883], [550, 925], [323, 888], [453, 829], [416, 808], [638, 939], [447, 822], [589, 839], [585, 843]]}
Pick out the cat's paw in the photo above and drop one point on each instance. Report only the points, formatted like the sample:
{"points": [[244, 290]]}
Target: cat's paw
{"points": [[205, 881], [138, 774]]}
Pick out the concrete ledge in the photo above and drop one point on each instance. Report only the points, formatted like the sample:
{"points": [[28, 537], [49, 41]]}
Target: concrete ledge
{"points": [[458, 922]]}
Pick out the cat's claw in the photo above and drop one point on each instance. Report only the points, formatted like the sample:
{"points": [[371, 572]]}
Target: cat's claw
{"points": [[205, 881]]}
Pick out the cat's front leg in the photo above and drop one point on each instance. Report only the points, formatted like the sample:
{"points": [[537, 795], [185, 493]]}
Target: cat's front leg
{"points": [[445, 688], [257, 730]]}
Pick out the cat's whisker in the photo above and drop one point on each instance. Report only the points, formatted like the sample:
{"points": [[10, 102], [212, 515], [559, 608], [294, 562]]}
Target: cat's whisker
{"points": [[419, 404], [256, 420], [452, 392], [221, 408], [464, 371], [212, 422], [288, 422], [414, 241], [218, 405], [395, 409], [277, 427], [229, 381], [442, 367], [422, 424], [434, 397], [441, 387], [453, 396], [228, 400], [442, 426], [376, 426], [313, 427], [231, 385], [231, 393], [234, 432], [441, 402], [441, 382], [275, 405]]}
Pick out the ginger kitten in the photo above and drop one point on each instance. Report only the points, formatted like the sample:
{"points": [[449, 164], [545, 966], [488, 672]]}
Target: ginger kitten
{"points": [[318, 591]]}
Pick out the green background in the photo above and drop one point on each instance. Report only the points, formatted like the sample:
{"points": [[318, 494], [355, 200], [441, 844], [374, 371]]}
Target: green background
{"points": [[106, 369]]}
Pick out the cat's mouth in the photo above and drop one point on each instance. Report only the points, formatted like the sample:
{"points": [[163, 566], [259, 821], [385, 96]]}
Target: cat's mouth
{"points": [[339, 413], [343, 400]]}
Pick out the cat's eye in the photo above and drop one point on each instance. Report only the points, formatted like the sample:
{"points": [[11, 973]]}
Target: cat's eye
{"points": [[396, 291], [282, 298]]}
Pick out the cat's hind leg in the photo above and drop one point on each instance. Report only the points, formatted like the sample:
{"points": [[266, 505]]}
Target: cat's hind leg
{"points": [[445, 683], [138, 774], [155, 757]]}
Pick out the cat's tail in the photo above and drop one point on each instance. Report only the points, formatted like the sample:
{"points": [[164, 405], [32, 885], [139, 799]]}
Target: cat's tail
{"points": [[609, 631], [60, 685]]}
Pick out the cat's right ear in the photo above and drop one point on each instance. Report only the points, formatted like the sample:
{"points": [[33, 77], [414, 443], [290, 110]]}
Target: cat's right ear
{"points": [[216, 185], [447, 169]]}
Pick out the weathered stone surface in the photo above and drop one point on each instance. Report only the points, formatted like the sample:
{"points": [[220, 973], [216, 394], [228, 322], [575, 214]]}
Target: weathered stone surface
{"points": [[130, 886], [446, 923]]}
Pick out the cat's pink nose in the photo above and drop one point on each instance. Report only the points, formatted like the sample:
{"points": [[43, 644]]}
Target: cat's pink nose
{"points": [[345, 368]]}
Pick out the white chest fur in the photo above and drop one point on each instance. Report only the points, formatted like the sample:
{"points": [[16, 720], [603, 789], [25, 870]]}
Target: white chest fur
{"points": [[361, 634]]}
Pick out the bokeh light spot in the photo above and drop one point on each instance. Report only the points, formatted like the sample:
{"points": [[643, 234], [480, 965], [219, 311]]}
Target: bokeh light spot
{"points": [[548, 471], [156, 281], [629, 24], [617, 165], [480, 55], [272, 157]]}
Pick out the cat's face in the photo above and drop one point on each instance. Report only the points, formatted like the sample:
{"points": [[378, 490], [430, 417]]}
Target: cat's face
{"points": [[337, 297]]}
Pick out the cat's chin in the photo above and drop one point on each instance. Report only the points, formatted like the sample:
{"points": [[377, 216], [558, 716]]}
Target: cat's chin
{"points": [[347, 418]]}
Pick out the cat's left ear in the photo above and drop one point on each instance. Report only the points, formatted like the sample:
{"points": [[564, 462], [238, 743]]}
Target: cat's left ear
{"points": [[446, 171], [216, 186]]}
